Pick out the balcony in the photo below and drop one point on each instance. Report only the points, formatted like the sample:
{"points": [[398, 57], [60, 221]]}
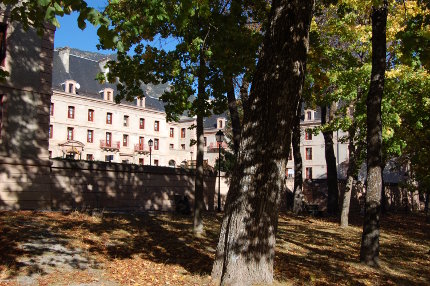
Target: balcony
{"points": [[112, 145], [141, 149], [213, 147]]}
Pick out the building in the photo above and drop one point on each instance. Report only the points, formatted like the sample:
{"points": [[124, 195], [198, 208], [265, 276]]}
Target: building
{"points": [[87, 124], [312, 148]]}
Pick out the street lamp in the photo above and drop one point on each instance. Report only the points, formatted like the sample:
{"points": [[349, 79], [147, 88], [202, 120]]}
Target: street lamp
{"points": [[219, 138], [150, 142]]}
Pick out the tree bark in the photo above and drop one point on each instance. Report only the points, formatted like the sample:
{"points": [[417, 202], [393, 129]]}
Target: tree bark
{"points": [[427, 203], [199, 204], [298, 164], [234, 115], [352, 168], [246, 246], [369, 252], [330, 158]]}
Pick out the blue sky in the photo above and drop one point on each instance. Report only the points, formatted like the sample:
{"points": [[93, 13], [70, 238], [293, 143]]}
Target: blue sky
{"points": [[70, 35]]}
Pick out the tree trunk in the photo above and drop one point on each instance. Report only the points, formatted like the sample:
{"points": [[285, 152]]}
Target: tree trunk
{"points": [[199, 204], [244, 92], [352, 167], [298, 165], [234, 115], [369, 252], [383, 196], [427, 203], [246, 247], [330, 158]]}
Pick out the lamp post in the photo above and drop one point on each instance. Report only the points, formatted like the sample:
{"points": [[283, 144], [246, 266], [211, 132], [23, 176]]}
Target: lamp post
{"points": [[219, 138], [150, 142]]}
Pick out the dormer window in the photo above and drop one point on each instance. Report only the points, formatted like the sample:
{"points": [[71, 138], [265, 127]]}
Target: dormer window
{"points": [[70, 86], [309, 115], [107, 94], [220, 123]]}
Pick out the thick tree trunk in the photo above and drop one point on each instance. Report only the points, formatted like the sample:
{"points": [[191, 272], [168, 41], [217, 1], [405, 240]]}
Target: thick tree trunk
{"points": [[234, 115], [330, 158], [199, 204], [383, 196], [246, 247], [369, 252], [298, 196], [352, 166], [244, 93]]}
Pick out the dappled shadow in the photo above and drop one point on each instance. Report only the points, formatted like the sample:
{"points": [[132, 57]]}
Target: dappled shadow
{"points": [[77, 241]]}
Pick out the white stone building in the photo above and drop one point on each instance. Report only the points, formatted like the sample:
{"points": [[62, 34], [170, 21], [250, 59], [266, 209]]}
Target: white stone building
{"points": [[86, 123]]}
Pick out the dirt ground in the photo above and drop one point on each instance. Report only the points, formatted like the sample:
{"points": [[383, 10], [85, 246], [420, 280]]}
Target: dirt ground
{"points": [[49, 248]]}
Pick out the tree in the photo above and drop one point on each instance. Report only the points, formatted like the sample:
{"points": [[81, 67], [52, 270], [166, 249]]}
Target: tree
{"points": [[369, 251], [245, 249], [298, 165], [199, 29]]}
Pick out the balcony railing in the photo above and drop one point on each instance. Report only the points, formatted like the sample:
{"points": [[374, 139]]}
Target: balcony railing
{"points": [[112, 145], [213, 147], [139, 148]]}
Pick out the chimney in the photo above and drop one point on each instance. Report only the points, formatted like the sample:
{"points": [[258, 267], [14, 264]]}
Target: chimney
{"points": [[102, 65], [64, 54]]}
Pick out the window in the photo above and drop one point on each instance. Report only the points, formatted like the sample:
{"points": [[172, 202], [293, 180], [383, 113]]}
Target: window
{"points": [[108, 95], [309, 173], [206, 141], [90, 157], [71, 112], [2, 113], [108, 139], [141, 161], [50, 154], [183, 146], [309, 115], [220, 124], [90, 136], [90, 115], [308, 153], [69, 133], [183, 133], [171, 146], [172, 132], [125, 120], [290, 155], [3, 30], [71, 87], [308, 135], [155, 162], [124, 140], [156, 146], [109, 158], [141, 142], [51, 130], [157, 125], [142, 123], [108, 118], [51, 109]]}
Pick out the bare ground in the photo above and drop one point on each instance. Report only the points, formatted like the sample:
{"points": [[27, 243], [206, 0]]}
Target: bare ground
{"points": [[48, 248]]}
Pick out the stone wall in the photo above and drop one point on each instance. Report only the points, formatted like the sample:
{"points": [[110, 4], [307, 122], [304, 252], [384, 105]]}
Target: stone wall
{"points": [[80, 185]]}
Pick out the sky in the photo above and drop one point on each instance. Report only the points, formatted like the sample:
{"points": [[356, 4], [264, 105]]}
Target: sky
{"points": [[70, 35]]}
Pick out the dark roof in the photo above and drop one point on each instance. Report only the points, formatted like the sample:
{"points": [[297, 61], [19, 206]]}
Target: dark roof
{"points": [[84, 67], [211, 121]]}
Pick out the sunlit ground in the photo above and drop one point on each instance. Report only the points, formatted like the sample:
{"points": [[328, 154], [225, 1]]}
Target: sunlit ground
{"points": [[44, 248]]}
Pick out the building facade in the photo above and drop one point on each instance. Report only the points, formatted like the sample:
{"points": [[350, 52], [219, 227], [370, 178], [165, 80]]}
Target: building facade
{"points": [[87, 124]]}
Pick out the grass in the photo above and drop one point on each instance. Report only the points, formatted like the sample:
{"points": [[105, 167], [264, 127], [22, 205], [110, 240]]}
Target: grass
{"points": [[159, 249]]}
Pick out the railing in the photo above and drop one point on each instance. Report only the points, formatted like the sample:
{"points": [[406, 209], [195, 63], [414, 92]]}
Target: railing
{"points": [[212, 148], [113, 145], [141, 148]]}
